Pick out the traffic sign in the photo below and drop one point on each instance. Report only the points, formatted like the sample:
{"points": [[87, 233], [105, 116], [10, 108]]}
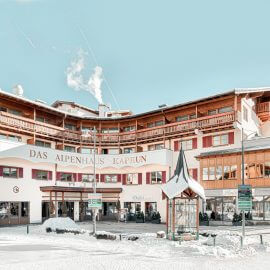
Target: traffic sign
{"points": [[95, 200], [245, 197]]}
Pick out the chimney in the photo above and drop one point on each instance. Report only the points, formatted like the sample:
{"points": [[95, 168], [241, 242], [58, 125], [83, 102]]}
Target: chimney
{"points": [[103, 109]]}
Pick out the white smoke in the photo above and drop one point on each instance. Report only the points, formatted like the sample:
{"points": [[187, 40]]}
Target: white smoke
{"points": [[76, 81]]}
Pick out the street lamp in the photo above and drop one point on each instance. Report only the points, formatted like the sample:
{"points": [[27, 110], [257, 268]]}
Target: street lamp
{"points": [[243, 172], [93, 134]]}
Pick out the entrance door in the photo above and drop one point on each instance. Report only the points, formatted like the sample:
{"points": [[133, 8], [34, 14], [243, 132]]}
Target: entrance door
{"points": [[45, 210], [109, 211]]}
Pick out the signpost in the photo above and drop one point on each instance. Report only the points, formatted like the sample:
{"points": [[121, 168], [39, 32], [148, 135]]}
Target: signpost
{"points": [[244, 197]]}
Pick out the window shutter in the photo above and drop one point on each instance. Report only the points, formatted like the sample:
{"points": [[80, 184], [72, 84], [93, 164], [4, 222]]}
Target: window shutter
{"points": [[34, 174], [79, 177], [20, 172], [58, 176], [210, 141], [148, 178], [119, 178], [50, 175], [204, 142], [195, 174], [74, 176], [231, 138], [1, 171], [102, 178], [163, 177], [140, 178], [97, 177], [124, 179], [194, 143], [176, 146]]}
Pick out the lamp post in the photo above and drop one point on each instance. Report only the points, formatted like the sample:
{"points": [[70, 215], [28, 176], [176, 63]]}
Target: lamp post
{"points": [[243, 175], [88, 134]]}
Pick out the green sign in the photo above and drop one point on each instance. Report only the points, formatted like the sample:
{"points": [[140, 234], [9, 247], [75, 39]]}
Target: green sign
{"points": [[95, 200], [245, 197]]}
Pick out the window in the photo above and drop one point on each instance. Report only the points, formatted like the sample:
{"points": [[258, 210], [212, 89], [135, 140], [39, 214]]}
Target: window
{"points": [[155, 147], [68, 148], [255, 170], [159, 123], [128, 129], [41, 175], [212, 112], [245, 113], [205, 174], [182, 118], [10, 137], [267, 169], [43, 144], [132, 179], [42, 119], [3, 109], [70, 127], [229, 172], [225, 109], [187, 145], [87, 177], [88, 151], [110, 178], [212, 173], [10, 172], [110, 130], [156, 177], [113, 151], [221, 140], [68, 177], [150, 125], [15, 112], [219, 172], [129, 150]]}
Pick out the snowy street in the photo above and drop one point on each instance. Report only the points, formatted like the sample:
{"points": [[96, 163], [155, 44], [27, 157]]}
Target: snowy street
{"points": [[41, 250]]}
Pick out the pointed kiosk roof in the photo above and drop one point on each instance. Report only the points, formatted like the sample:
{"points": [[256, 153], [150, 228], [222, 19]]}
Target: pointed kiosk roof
{"points": [[182, 181]]}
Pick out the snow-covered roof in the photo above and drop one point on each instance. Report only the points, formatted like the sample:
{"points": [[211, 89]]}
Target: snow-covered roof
{"points": [[182, 181]]}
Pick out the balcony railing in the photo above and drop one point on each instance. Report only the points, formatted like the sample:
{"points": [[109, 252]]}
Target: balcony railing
{"points": [[43, 129], [263, 107]]}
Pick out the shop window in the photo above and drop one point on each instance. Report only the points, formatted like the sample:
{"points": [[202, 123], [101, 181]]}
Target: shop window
{"points": [[132, 207], [156, 177], [24, 209], [110, 178], [42, 144], [132, 179], [14, 209], [4, 210]]}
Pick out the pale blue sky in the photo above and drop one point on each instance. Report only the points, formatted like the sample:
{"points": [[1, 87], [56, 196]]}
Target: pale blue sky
{"points": [[152, 51]]}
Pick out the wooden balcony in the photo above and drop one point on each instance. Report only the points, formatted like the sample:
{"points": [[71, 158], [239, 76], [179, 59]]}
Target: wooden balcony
{"points": [[263, 111], [29, 126]]}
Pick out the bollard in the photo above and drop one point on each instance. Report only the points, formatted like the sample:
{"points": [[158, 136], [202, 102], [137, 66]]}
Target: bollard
{"points": [[120, 237], [214, 239], [27, 228], [261, 238], [241, 239]]}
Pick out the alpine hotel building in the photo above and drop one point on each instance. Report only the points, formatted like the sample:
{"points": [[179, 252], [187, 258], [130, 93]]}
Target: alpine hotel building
{"points": [[46, 155]]}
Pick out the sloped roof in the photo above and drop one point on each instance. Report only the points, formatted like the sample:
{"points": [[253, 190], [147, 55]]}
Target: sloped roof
{"points": [[181, 180]]}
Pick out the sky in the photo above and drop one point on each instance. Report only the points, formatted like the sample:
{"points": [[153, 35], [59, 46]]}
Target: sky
{"points": [[151, 52]]}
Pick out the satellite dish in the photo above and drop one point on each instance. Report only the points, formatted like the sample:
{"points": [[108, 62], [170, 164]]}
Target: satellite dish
{"points": [[18, 90]]}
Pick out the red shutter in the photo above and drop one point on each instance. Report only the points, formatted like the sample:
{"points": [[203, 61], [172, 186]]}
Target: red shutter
{"points": [[1, 171], [231, 138], [163, 196], [74, 176], [210, 141], [58, 176], [102, 178], [140, 178], [97, 177], [79, 177], [204, 142], [176, 146], [119, 178], [194, 143], [195, 174], [163, 177], [20, 172], [34, 174], [50, 175], [148, 178], [124, 179]]}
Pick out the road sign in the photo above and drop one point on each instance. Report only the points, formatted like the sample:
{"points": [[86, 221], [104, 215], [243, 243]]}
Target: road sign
{"points": [[95, 200], [245, 197]]}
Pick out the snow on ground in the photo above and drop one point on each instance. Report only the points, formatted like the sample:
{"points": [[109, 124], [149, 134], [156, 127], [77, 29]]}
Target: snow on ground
{"points": [[41, 250]]}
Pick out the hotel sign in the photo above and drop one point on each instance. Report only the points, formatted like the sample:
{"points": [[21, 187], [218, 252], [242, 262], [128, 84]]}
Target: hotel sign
{"points": [[47, 155]]}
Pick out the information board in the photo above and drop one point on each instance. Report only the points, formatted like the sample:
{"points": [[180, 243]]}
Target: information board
{"points": [[95, 200], [244, 197]]}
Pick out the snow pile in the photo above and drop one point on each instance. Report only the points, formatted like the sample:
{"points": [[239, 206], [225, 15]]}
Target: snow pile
{"points": [[60, 223]]}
